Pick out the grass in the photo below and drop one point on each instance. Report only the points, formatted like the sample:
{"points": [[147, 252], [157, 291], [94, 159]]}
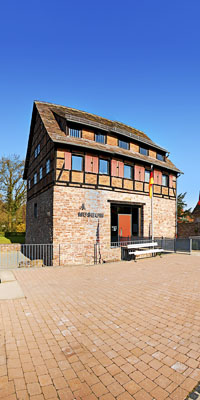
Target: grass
{"points": [[4, 240]]}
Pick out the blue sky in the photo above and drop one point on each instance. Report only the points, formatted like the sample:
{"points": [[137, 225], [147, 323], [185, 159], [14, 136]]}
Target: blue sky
{"points": [[135, 61]]}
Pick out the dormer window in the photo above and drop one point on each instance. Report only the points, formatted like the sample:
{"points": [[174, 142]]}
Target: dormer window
{"points": [[144, 151], [100, 138], [123, 144], [160, 157], [75, 133]]}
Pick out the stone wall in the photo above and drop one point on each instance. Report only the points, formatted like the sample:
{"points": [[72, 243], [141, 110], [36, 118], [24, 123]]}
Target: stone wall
{"points": [[187, 229], [40, 229], [79, 232]]}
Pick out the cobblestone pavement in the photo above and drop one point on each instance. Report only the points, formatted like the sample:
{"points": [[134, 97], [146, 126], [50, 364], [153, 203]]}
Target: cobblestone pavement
{"points": [[116, 331]]}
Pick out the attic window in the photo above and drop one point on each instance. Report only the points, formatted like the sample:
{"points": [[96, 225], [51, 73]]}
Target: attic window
{"points": [[75, 133], [37, 150]]}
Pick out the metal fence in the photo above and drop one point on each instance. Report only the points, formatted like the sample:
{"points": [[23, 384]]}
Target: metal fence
{"points": [[35, 255], [195, 243], [25, 255]]}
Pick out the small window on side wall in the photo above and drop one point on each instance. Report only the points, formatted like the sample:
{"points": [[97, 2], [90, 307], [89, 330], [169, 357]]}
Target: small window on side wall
{"points": [[103, 166], [165, 180], [35, 210], [77, 163], [47, 166], [29, 183], [35, 178], [128, 171], [40, 172]]}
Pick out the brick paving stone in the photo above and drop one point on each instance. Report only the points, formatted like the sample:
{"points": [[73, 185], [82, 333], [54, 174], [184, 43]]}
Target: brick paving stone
{"points": [[112, 332], [99, 389], [132, 387], [33, 388], [124, 396], [115, 388], [49, 391], [142, 395], [159, 394], [22, 395]]}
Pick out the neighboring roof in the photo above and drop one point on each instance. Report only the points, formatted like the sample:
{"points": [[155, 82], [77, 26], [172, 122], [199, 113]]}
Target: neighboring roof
{"points": [[47, 113], [196, 211]]}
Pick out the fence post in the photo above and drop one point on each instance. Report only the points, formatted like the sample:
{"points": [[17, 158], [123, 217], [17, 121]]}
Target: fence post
{"points": [[190, 245]]}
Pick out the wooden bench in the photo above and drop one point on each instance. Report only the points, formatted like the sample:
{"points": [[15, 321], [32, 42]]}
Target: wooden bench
{"points": [[138, 249]]}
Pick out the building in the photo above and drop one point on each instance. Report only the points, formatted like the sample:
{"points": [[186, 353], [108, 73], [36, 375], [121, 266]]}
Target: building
{"points": [[88, 177], [191, 227]]}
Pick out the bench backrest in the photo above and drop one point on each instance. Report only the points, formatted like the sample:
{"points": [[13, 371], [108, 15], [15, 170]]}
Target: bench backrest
{"points": [[141, 245]]}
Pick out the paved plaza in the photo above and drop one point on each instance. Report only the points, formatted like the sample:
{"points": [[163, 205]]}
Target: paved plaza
{"points": [[114, 331]]}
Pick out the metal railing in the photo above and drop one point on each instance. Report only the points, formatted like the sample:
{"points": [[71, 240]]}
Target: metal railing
{"points": [[25, 255], [35, 255]]}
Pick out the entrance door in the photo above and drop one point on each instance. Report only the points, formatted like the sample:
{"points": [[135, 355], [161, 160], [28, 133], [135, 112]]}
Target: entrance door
{"points": [[124, 225]]}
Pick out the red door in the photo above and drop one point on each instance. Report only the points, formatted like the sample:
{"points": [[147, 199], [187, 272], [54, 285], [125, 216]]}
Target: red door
{"points": [[124, 225]]}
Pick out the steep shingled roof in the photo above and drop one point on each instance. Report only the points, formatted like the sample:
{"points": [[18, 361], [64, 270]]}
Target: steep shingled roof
{"points": [[196, 211], [47, 113]]}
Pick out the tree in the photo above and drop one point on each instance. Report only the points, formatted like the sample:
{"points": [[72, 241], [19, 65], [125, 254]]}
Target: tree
{"points": [[12, 188], [182, 213]]}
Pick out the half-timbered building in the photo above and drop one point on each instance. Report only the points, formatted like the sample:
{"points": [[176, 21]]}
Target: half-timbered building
{"points": [[88, 176]]}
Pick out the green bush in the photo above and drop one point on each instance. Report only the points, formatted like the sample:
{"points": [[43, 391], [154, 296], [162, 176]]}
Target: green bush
{"points": [[4, 240], [12, 237]]}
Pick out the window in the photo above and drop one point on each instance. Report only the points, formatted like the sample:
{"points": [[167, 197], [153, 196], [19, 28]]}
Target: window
{"points": [[144, 151], [37, 150], [77, 163], [47, 166], [40, 172], [147, 176], [128, 172], [165, 180], [160, 157], [29, 183], [35, 178], [100, 138], [103, 166], [123, 144], [75, 133], [35, 210]]}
